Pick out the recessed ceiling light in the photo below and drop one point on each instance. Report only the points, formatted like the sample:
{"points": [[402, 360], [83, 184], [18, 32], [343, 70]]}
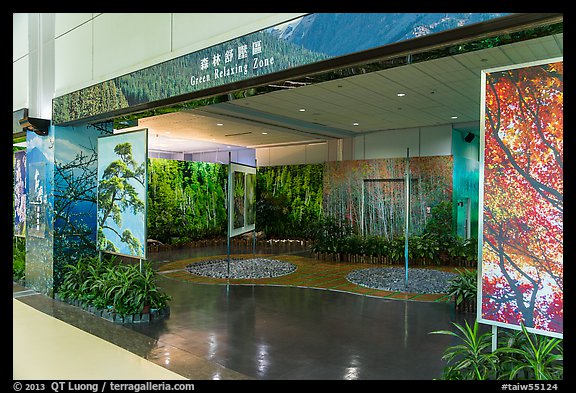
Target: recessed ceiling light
{"points": [[219, 124], [454, 117], [401, 94], [302, 110], [264, 133], [355, 124]]}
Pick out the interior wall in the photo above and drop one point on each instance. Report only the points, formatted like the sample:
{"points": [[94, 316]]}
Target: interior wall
{"points": [[89, 48], [421, 142], [316, 153]]}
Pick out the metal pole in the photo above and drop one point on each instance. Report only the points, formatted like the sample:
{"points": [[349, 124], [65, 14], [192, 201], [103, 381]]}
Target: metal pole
{"points": [[254, 185], [230, 180], [494, 337], [407, 218]]}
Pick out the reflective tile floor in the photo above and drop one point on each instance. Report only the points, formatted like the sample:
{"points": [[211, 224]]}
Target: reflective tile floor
{"points": [[261, 332]]}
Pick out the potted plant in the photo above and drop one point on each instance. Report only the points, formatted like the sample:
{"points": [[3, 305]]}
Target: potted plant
{"points": [[463, 290], [520, 355]]}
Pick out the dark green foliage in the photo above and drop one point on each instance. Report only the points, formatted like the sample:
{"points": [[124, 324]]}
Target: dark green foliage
{"points": [[331, 235], [472, 358], [520, 355], [289, 200], [186, 200], [18, 258], [526, 355], [440, 221], [464, 287], [105, 284]]}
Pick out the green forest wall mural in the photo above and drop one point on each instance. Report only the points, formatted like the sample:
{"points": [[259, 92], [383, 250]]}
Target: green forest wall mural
{"points": [[186, 200], [289, 200]]}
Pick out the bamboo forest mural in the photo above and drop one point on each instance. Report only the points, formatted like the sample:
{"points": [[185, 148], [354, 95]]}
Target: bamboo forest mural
{"points": [[122, 183], [289, 200], [370, 194], [238, 199], [522, 249], [186, 200]]}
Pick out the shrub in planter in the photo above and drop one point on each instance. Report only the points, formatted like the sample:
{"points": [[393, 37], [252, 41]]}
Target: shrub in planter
{"points": [[424, 248], [330, 235], [519, 355], [118, 289], [526, 355], [472, 358], [463, 290]]}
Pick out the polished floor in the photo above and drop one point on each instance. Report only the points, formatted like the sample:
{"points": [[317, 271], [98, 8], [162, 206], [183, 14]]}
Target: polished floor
{"points": [[265, 332]]}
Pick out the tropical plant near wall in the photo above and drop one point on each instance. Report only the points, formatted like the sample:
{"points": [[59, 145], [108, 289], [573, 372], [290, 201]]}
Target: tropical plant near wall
{"points": [[472, 358], [122, 289], [463, 288], [330, 235], [531, 356], [520, 355]]}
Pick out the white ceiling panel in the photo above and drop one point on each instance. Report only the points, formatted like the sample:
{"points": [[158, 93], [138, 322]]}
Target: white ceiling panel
{"points": [[435, 91]]}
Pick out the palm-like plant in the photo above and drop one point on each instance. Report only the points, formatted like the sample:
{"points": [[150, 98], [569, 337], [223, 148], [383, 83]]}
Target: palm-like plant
{"points": [[463, 288], [531, 356], [472, 359]]}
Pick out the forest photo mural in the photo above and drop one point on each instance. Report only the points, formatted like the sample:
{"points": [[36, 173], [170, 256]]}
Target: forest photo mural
{"points": [[289, 200], [522, 249], [370, 194], [186, 200], [122, 188]]}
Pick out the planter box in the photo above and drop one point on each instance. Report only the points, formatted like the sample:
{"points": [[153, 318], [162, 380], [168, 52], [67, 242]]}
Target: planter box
{"points": [[111, 316], [466, 306]]}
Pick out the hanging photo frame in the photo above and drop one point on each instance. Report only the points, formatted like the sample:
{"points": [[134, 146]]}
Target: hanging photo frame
{"points": [[521, 198], [122, 193]]}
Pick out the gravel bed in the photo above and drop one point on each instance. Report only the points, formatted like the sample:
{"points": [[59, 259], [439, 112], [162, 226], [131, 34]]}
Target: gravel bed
{"points": [[241, 268], [393, 279]]}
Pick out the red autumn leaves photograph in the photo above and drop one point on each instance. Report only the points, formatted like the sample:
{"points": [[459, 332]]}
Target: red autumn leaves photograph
{"points": [[522, 248]]}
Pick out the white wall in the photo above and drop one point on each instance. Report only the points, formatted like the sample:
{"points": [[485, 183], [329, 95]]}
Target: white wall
{"points": [[421, 142], [290, 155], [88, 48]]}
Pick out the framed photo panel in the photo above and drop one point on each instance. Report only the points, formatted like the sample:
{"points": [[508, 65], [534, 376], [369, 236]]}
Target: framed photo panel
{"points": [[241, 199], [122, 193], [521, 198]]}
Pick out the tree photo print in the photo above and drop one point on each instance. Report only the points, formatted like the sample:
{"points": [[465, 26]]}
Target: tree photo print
{"points": [[522, 244], [122, 188]]}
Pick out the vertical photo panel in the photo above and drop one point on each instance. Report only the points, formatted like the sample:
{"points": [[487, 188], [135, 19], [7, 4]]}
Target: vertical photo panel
{"points": [[19, 193], [122, 189], [241, 199], [522, 200]]}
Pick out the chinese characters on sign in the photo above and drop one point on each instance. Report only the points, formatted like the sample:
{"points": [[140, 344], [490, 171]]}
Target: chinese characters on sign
{"points": [[234, 61]]}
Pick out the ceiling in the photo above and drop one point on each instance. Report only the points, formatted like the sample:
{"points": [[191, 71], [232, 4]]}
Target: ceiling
{"points": [[442, 91]]}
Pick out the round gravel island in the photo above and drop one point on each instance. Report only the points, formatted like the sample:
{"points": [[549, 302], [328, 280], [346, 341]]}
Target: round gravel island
{"points": [[242, 268], [393, 279]]}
